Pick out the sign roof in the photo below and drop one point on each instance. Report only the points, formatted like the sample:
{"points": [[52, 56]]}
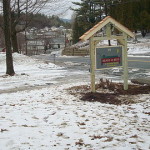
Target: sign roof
{"points": [[103, 23]]}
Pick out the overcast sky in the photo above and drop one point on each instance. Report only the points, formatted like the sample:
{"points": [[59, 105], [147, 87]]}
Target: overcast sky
{"points": [[60, 8]]}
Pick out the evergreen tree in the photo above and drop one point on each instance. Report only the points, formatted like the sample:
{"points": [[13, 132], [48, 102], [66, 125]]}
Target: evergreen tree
{"points": [[88, 14], [77, 31], [133, 14]]}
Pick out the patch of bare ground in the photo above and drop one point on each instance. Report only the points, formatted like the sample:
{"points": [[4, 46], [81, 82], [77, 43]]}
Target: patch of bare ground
{"points": [[110, 93]]}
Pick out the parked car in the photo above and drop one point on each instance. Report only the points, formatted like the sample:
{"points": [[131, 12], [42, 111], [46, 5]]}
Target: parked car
{"points": [[4, 50]]}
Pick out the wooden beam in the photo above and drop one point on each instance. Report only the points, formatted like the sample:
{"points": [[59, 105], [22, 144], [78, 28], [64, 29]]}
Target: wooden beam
{"points": [[106, 21], [108, 30], [112, 37], [123, 29], [93, 30]]}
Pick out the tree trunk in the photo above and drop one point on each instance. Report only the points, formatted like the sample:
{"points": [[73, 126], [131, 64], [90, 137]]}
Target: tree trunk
{"points": [[105, 7], [143, 32], [7, 27], [14, 41]]}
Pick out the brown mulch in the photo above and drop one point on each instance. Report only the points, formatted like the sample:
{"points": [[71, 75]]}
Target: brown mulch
{"points": [[110, 93], [101, 97], [132, 89]]}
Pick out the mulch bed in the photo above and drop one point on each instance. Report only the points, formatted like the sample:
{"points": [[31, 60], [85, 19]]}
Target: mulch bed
{"points": [[110, 93], [101, 97]]}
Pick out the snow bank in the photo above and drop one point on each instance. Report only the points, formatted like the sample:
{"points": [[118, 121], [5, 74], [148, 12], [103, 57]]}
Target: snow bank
{"points": [[29, 72], [23, 62]]}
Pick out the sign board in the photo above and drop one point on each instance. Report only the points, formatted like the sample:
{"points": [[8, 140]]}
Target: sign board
{"points": [[107, 57]]}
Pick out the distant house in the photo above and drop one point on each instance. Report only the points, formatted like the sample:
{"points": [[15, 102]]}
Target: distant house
{"points": [[54, 28], [42, 40], [35, 47], [61, 27]]}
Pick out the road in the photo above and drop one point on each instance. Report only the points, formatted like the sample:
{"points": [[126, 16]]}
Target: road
{"points": [[139, 62], [133, 62]]}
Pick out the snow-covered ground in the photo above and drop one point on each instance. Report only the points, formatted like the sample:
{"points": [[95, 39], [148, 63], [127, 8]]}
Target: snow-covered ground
{"points": [[142, 48], [38, 113], [29, 72], [51, 119], [139, 47]]}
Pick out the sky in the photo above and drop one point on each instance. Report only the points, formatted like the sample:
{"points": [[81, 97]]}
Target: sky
{"points": [[60, 8]]}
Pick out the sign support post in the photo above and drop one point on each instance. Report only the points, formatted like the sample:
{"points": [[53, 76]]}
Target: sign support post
{"points": [[92, 69], [125, 63], [123, 42]]}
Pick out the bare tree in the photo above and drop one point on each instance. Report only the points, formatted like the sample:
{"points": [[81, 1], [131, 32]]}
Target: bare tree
{"points": [[7, 33], [2, 42], [19, 16]]}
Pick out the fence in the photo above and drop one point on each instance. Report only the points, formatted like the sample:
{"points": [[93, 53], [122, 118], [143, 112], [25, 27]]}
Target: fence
{"points": [[76, 51]]}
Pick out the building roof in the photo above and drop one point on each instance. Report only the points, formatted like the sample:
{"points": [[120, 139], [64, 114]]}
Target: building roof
{"points": [[103, 23]]}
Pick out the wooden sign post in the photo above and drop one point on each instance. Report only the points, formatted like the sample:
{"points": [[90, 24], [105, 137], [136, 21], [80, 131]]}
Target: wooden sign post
{"points": [[108, 24], [92, 67]]}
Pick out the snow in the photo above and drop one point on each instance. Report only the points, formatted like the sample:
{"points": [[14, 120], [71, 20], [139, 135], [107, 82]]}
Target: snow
{"points": [[136, 49], [29, 72], [51, 119], [38, 113], [142, 47]]}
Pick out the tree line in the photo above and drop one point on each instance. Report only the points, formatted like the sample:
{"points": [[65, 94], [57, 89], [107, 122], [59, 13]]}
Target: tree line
{"points": [[40, 21], [134, 14]]}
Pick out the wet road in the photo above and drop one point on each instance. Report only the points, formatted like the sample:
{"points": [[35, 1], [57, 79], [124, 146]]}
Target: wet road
{"points": [[139, 62], [133, 62]]}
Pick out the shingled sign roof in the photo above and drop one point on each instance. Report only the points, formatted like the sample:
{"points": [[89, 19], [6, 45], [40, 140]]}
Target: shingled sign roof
{"points": [[103, 23]]}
